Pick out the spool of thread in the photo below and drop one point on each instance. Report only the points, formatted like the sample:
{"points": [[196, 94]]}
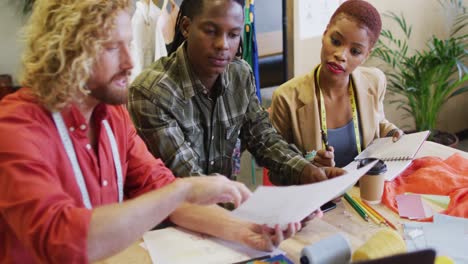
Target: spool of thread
{"points": [[384, 243], [334, 249]]}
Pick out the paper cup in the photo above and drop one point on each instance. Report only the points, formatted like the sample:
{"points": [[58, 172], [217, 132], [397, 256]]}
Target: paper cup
{"points": [[371, 185]]}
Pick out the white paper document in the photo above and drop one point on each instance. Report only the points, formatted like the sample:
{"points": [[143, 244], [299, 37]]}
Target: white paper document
{"points": [[282, 205], [448, 235], [179, 246], [314, 16]]}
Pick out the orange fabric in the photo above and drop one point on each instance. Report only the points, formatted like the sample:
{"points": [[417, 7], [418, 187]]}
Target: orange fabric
{"points": [[432, 175]]}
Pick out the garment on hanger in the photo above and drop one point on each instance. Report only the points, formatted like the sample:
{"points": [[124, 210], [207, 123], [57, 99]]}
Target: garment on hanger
{"points": [[148, 44], [167, 20]]}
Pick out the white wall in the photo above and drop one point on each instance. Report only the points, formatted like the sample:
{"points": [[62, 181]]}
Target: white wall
{"points": [[427, 18], [11, 21]]}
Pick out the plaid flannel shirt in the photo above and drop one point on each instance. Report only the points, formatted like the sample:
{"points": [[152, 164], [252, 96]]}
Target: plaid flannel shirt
{"points": [[194, 134]]}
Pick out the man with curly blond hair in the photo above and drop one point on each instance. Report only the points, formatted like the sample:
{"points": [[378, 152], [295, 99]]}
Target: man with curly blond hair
{"points": [[77, 184]]}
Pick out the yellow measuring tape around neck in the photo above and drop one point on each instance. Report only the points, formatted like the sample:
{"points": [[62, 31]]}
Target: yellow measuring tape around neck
{"points": [[323, 112]]}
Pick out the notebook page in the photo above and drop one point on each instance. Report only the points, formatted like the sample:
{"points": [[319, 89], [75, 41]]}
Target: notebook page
{"points": [[395, 168], [404, 149]]}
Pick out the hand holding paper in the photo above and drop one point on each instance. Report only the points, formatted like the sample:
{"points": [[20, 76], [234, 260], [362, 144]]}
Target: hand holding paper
{"points": [[283, 205]]}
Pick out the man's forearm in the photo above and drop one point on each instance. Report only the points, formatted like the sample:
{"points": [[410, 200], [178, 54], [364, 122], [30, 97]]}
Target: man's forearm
{"points": [[212, 220], [115, 227]]}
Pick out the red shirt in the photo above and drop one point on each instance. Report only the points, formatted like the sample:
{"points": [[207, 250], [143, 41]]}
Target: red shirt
{"points": [[42, 215]]}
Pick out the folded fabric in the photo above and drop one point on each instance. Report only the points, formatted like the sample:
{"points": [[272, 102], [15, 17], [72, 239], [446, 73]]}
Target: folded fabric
{"points": [[432, 175]]}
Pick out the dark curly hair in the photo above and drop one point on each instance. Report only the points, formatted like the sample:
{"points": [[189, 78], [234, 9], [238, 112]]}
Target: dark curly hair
{"points": [[364, 13]]}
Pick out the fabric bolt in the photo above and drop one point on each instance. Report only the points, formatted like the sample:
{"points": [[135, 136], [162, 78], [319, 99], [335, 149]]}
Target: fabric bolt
{"points": [[432, 175], [41, 207], [194, 134]]}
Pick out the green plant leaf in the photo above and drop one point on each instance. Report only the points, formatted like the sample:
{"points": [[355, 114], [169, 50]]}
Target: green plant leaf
{"points": [[429, 77]]}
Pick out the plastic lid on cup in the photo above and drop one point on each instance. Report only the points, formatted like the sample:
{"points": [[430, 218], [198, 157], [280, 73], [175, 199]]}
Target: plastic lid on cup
{"points": [[379, 168]]}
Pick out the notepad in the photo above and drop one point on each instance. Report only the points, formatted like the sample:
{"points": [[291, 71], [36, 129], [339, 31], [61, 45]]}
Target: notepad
{"points": [[397, 155]]}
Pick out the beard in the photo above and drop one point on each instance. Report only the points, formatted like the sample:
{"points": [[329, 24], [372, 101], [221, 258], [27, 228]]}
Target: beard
{"points": [[112, 98], [111, 95], [111, 92]]}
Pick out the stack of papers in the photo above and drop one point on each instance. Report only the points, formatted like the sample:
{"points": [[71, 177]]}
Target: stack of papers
{"points": [[179, 246], [447, 235]]}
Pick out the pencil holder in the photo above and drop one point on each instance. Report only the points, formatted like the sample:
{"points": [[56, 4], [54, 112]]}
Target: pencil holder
{"points": [[331, 250]]}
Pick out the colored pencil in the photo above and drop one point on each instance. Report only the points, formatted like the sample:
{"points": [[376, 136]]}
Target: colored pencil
{"points": [[369, 213], [372, 211], [356, 207], [380, 215]]}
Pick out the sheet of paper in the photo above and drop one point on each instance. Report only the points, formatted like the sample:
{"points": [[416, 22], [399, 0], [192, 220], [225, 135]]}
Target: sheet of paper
{"points": [[143, 245], [448, 240], [179, 246], [452, 220], [395, 168], [411, 206], [282, 205], [314, 16], [448, 235], [441, 200]]}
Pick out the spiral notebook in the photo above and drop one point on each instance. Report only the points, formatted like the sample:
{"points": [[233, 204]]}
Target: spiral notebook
{"points": [[397, 155]]}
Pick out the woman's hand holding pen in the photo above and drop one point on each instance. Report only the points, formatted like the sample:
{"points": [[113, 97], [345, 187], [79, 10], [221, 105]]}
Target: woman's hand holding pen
{"points": [[397, 135], [325, 158]]}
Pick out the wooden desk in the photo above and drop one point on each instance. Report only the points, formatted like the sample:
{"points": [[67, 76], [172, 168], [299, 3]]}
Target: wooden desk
{"points": [[343, 220]]}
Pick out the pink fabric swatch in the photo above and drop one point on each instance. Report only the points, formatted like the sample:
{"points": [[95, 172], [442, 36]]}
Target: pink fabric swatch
{"points": [[411, 206]]}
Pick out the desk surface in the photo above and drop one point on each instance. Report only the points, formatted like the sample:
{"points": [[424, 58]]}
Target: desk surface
{"points": [[343, 220]]}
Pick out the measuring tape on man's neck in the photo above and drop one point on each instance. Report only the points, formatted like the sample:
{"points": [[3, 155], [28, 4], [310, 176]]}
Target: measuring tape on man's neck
{"points": [[323, 112]]}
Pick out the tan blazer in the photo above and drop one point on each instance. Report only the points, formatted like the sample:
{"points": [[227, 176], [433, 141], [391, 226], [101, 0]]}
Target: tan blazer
{"points": [[295, 113]]}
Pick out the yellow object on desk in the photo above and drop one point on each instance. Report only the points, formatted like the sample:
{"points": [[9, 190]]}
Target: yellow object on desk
{"points": [[443, 260], [384, 243]]}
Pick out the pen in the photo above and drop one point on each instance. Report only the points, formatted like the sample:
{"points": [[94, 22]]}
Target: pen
{"points": [[253, 259], [325, 140]]}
